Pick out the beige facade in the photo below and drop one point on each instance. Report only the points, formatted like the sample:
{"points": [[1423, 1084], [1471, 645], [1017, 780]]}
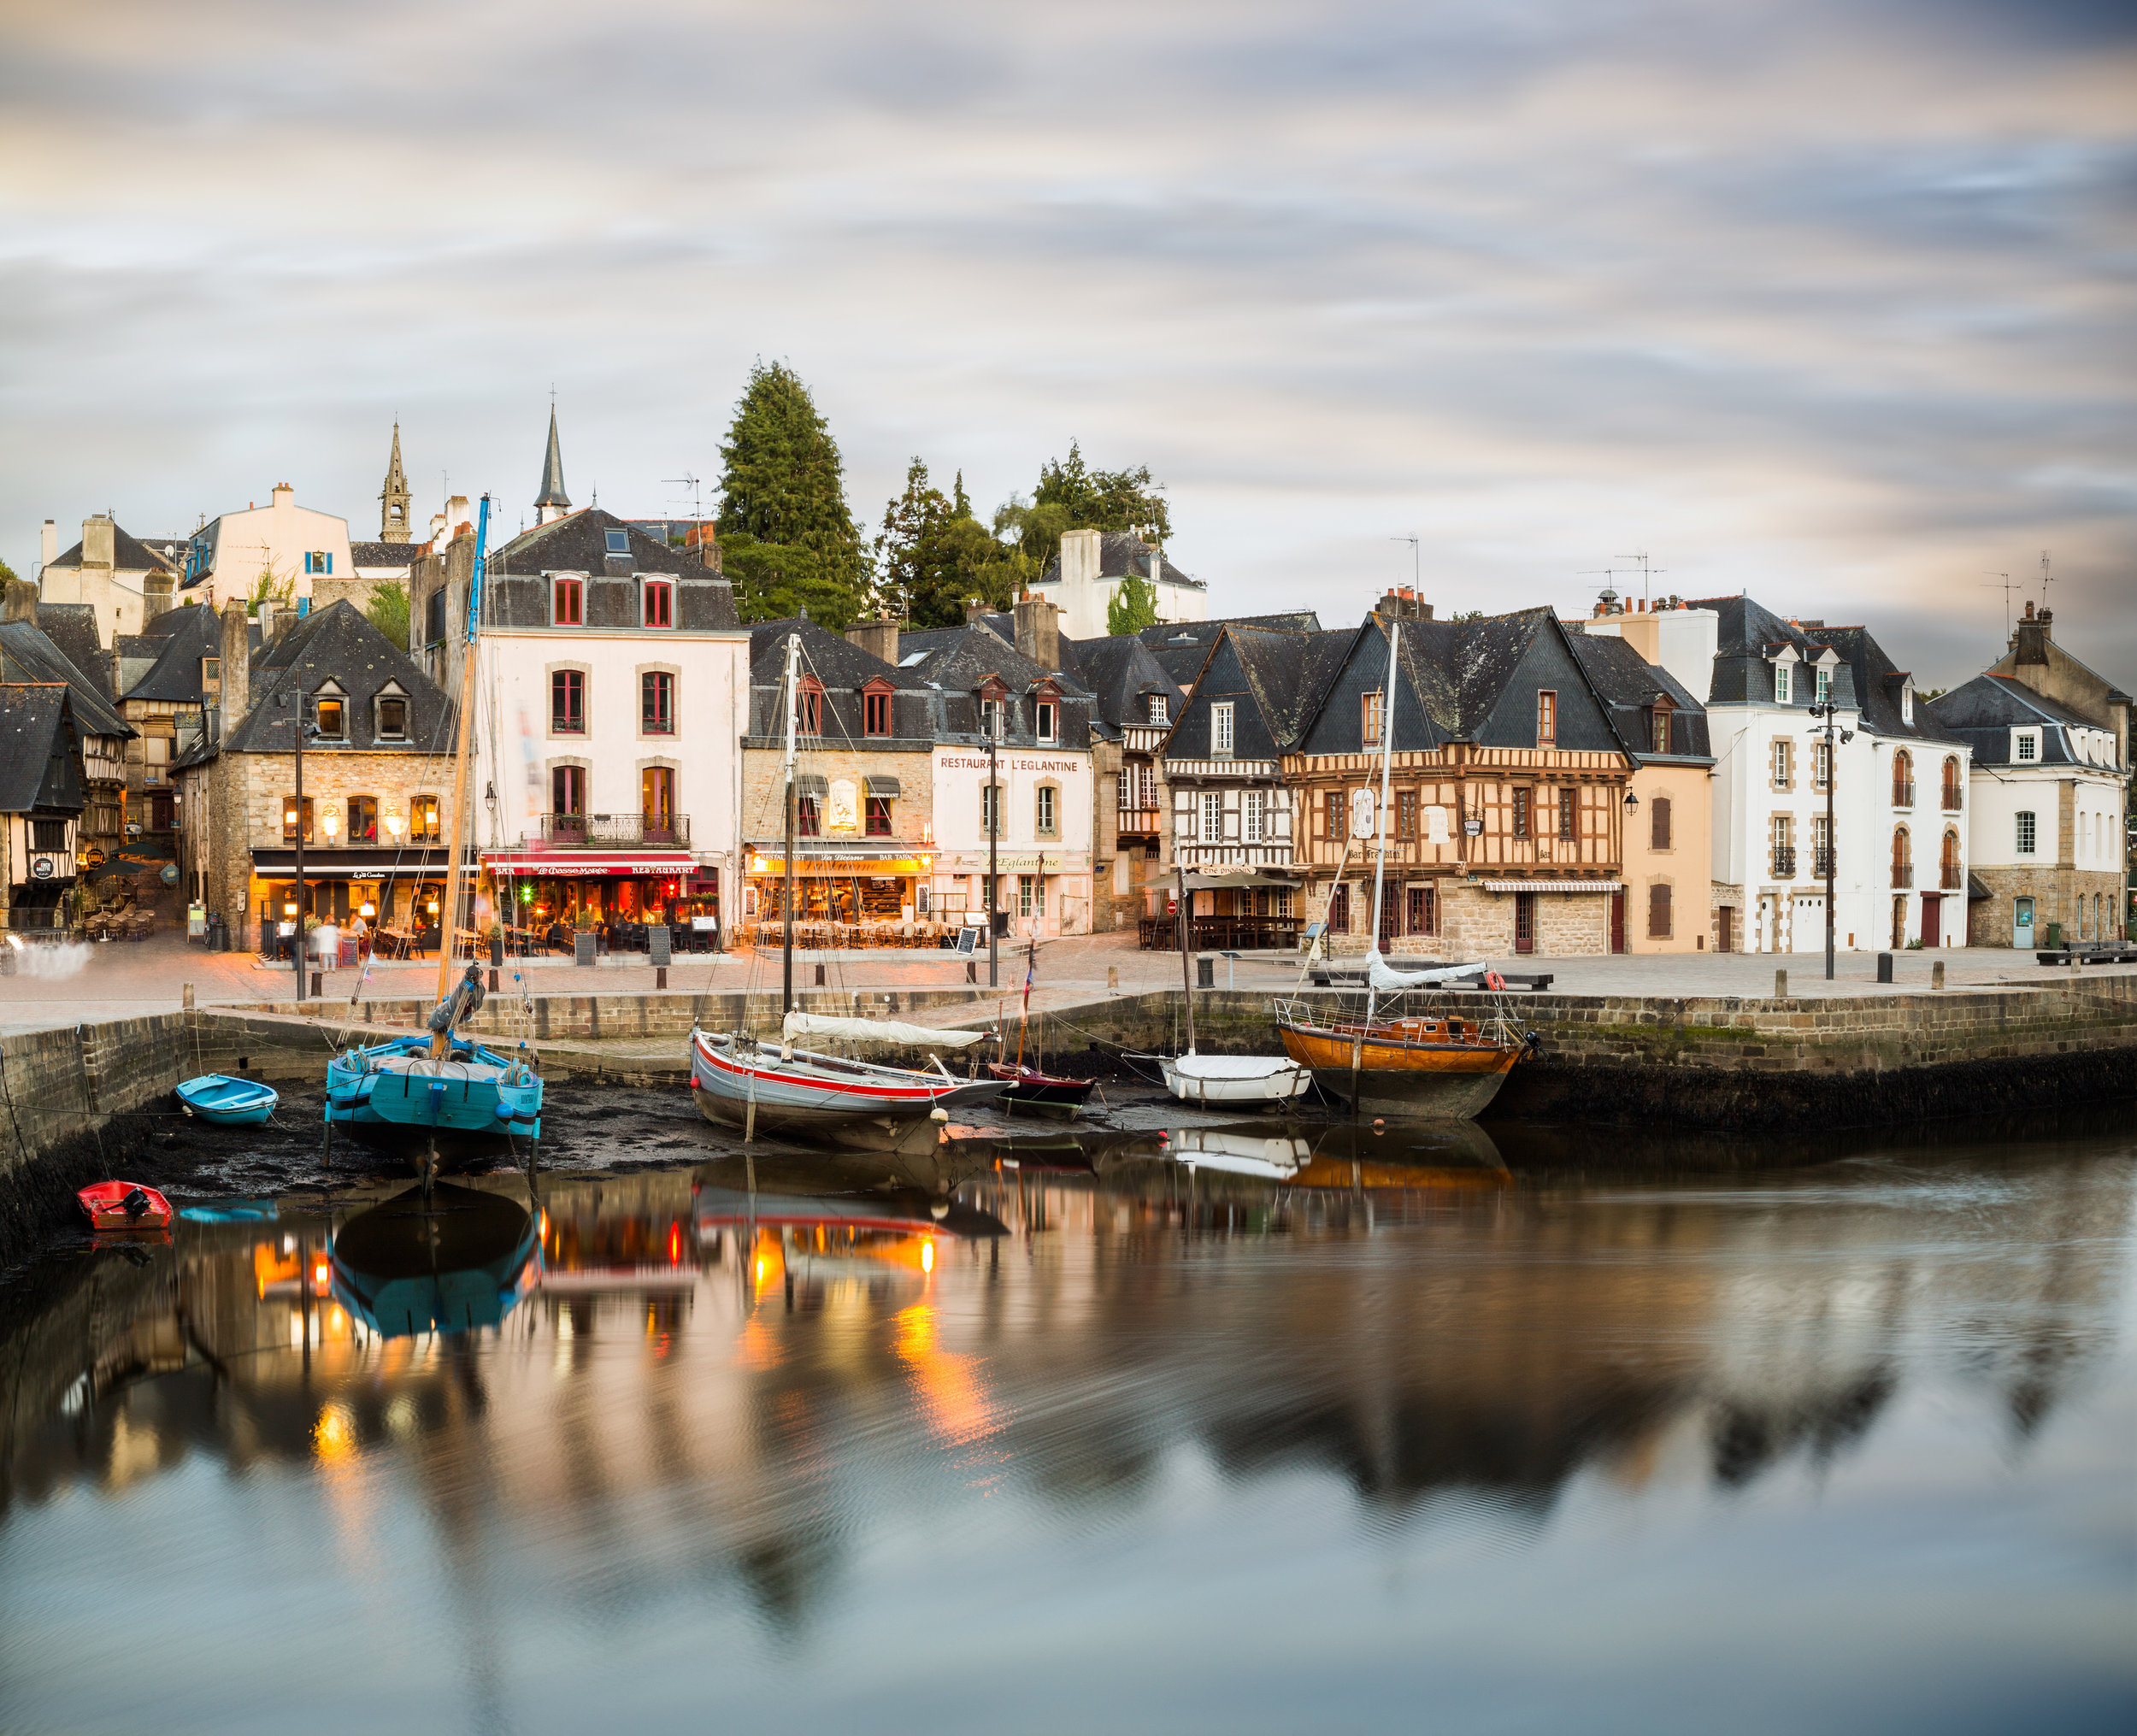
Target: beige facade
{"points": [[1673, 854], [126, 583]]}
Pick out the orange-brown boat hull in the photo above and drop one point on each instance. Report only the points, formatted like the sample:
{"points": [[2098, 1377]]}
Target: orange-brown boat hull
{"points": [[1393, 1072]]}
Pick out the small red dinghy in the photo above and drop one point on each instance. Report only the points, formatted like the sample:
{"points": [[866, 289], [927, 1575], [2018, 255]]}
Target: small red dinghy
{"points": [[124, 1205]]}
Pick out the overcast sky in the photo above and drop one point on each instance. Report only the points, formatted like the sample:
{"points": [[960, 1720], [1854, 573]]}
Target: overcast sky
{"points": [[1831, 301]]}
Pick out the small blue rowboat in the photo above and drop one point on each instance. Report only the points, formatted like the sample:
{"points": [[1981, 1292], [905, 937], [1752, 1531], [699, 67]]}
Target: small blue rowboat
{"points": [[227, 1101]]}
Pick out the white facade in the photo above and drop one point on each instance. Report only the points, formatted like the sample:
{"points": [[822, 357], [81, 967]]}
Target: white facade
{"points": [[124, 597], [297, 546], [1044, 868], [517, 750], [1083, 594]]}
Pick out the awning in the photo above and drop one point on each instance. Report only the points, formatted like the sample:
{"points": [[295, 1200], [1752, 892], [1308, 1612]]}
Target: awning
{"points": [[841, 866], [880, 784], [1552, 886], [811, 784], [580, 864], [353, 864], [138, 856], [1976, 888]]}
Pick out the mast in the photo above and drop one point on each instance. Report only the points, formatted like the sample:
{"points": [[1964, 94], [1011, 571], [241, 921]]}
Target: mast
{"points": [[1379, 831], [449, 920], [1186, 929], [793, 702]]}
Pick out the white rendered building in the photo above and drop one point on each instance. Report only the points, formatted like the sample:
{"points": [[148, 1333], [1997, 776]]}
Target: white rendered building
{"points": [[304, 552], [1093, 565]]}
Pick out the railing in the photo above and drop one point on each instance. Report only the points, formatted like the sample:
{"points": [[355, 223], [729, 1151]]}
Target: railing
{"points": [[1221, 933], [1950, 798], [1138, 820], [607, 830], [1902, 874], [1784, 861], [1950, 879], [1903, 792], [1821, 863]]}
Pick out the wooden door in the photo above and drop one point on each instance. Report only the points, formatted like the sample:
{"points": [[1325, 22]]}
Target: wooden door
{"points": [[1931, 911], [1726, 937], [1524, 921], [1617, 921]]}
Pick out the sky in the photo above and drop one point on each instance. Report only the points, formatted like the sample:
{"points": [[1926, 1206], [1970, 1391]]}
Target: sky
{"points": [[1827, 300]]}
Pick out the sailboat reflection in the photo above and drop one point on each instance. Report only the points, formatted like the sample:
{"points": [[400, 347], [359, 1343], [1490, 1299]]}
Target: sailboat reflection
{"points": [[460, 1261], [1340, 1155]]}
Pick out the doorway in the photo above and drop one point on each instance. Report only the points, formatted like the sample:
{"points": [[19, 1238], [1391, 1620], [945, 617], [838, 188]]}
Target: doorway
{"points": [[1524, 921], [2022, 922], [1726, 937], [656, 803], [1618, 921], [1931, 917]]}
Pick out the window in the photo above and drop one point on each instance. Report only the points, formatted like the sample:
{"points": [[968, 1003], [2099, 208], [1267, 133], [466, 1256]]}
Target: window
{"points": [[657, 703], [1254, 816], [1784, 765], [1220, 730], [876, 711], [1948, 864], [1160, 708], [1521, 812], [1043, 714], [1028, 896], [289, 819], [1821, 765], [991, 809], [1043, 814], [567, 702], [568, 791], [1370, 719], [1212, 816], [1784, 685], [1405, 814], [330, 718], [616, 542], [1546, 718], [390, 717], [1335, 821], [991, 718], [1658, 912], [810, 712], [318, 561], [48, 834], [808, 811], [1424, 910], [1339, 909], [656, 803], [2025, 746], [567, 602], [211, 672], [1824, 689], [1568, 817], [363, 820], [1658, 823], [1907, 704], [434, 619], [1658, 729], [1902, 857], [2025, 839], [660, 602], [878, 821], [422, 820]]}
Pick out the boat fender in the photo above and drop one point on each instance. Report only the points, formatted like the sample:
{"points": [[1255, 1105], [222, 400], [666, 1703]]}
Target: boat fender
{"points": [[1493, 979], [938, 1115]]}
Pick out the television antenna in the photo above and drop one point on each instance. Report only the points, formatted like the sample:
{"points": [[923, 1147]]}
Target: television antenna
{"points": [[1646, 572], [695, 496], [1416, 560], [1609, 577], [2047, 577], [2010, 585]]}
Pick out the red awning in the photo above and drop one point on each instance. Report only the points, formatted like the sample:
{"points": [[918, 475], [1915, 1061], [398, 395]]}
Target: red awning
{"points": [[544, 864]]}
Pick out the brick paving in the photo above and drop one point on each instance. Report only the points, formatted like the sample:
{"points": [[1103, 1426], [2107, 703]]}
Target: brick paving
{"points": [[119, 979]]}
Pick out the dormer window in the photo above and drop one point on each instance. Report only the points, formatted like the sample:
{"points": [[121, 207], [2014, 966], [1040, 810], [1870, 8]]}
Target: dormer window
{"points": [[1784, 685], [1043, 714], [389, 720], [211, 674], [330, 714], [1658, 725], [809, 710], [616, 542], [567, 602], [1824, 685], [660, 602], [1160, 708], [2025, 747], [1907, 703], [993, 709], [875, 707]]}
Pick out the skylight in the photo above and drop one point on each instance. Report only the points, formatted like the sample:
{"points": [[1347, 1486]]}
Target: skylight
{"points": [[910, 658], [619, 542]]}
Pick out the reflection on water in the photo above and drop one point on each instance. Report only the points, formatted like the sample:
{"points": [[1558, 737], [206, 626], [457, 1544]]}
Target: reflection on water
{"points": [[1261, 1425]]}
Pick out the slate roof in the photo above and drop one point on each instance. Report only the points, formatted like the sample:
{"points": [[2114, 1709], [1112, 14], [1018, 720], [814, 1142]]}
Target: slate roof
{"points": [[1120, 674], [174, 676], [128, 554], [1181, 646], [1877, 687], [73, 627], [1122, 552], [397, 555], [1628, 684], [39, 767], [1983, 712], [1281, 673], [338, 642], [28, 654], [959, 659], [843, 669], [516, 593]]}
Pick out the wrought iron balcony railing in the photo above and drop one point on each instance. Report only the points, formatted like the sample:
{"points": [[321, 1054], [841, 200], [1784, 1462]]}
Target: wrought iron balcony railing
{"points": [[1903, 792], [1902, 874], [1950, 880], [1952, 799], [1784, 861], [610, 831], [1821, 862]]}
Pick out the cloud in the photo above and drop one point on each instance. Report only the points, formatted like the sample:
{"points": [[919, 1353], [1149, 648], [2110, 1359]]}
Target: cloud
{"points": [[1829, 302]]}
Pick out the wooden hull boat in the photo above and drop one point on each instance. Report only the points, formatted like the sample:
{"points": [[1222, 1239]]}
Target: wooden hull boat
{"points": [[1234, 1079], [227, 1102], [396, 1096], [1430, 1067], [1030, 1089], [124, 1205], [740, 1083]]}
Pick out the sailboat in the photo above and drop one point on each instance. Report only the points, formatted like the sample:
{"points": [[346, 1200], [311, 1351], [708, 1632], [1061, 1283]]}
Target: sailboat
{"points": [[1223, 1079], [442, 1095], [740, 1080], [1438, 1066], [1033, 1087]]}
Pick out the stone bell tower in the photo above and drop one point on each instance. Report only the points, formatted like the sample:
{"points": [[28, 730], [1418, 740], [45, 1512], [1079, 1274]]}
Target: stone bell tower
{"points": [[393, 498]]}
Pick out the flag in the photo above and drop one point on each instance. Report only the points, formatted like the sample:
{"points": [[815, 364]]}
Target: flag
{"points": [[1031, 963]]}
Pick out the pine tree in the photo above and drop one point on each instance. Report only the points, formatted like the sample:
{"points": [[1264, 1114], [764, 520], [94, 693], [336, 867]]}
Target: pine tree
{"points": [[783, 487]]}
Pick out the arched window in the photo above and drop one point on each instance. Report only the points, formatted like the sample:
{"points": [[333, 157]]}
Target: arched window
{"points": [[1903, 858], [1951, 792], [1903, 779], [1948, 875]]}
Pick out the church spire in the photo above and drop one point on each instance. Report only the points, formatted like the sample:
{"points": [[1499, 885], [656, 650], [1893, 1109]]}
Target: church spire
{"points": [[393, 498], [553, 503]]}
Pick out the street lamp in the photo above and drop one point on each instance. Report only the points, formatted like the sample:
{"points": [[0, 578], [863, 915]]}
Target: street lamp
{"points": [[1830, 712]]}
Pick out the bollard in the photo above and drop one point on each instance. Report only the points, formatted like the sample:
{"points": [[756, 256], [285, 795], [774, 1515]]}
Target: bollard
{"points": [[1884, 967], [188, 1001], [315, 988], [1113, 976], [1780, 985], [972, 970], [1936, 974], [493, 982], [820, 976]]}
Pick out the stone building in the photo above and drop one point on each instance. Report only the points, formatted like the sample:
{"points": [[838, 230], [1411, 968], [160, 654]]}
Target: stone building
{"points": [[378, 776], [123, 580], [2048, 794], [39, 644], [1133, 702], [1506, 828], [170, 684], [40, 804]]}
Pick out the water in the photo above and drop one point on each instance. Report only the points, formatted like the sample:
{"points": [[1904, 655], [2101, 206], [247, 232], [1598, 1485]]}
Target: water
{"points": [[1312, 1430]]}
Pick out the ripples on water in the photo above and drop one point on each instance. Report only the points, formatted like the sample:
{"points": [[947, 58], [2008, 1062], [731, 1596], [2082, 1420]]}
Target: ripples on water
{"points": [[1268, 1428]]}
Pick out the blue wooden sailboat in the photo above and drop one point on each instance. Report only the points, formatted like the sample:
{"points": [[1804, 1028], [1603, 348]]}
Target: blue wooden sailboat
{"points": [[227, 1102], [442, 1095]]}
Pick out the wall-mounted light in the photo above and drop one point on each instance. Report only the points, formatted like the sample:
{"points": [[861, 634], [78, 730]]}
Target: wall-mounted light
{"points": [[393, 823], [368, 910], [1631, 802], [330, 823]]}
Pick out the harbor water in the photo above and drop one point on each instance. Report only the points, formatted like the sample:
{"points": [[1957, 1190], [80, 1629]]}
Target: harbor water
{"points": [[1265, 1426]]}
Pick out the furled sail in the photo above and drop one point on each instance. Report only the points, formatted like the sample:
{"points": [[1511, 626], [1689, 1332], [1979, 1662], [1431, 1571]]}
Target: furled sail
{"points": [[876, 1031], [1378, 973]]}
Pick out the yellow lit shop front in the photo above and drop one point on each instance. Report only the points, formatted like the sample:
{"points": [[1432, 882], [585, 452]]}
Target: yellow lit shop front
{"points": [[879, 899]]}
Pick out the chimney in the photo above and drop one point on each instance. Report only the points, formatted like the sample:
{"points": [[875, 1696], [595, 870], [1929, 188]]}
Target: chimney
{"points": [[98, 545], [1080, 557], [49, 548], [285, 619], [21, 604], [2030, 642], [878, 638], [283, 495], [1038, 631], [237, 665]]}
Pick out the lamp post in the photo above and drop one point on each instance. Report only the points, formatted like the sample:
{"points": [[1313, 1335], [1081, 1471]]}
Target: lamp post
{"points": [[297, 937], [994, 832], [1830, 712]]}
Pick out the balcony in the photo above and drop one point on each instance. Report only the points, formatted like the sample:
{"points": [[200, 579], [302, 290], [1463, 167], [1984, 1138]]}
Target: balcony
{"points": [[1821, 864], [1784, 861], [615, 831], [1902, 874], [1950, 798], [1138, 822], [1950, 879], [1902, 793]]}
